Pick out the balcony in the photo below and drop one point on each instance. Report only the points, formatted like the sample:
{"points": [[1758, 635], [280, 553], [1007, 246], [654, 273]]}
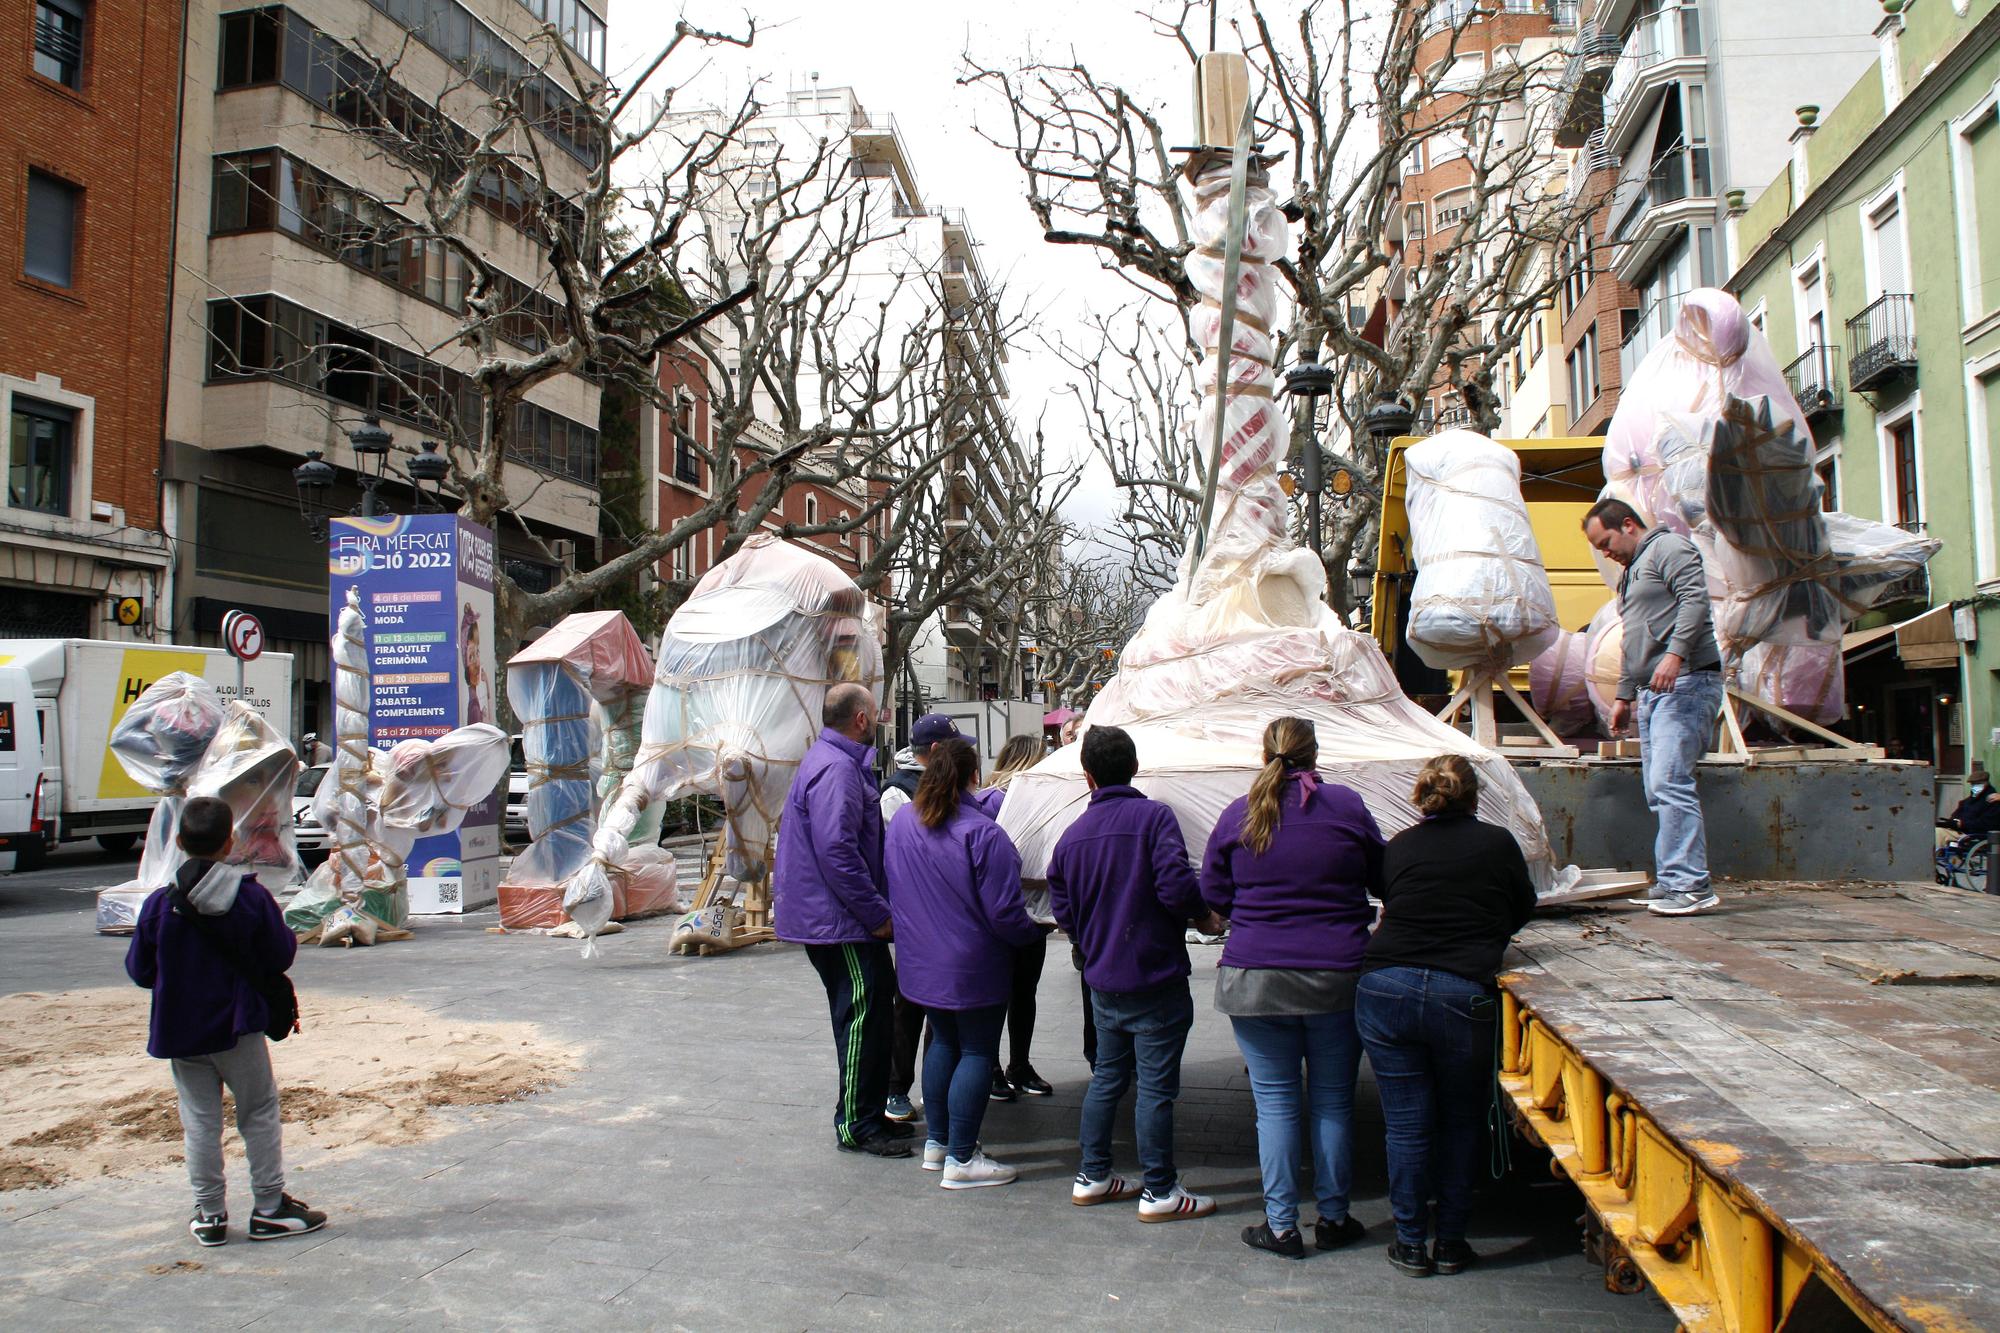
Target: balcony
{"points": [[1663, 49], [1580, 95], [1594, 158], [1913, 587], [1676, 192], [960, 627], [1654, 325], [1815, 381], [1882, 343]]}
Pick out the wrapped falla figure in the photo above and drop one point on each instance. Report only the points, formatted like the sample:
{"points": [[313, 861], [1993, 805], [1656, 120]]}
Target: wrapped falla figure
{"points": [[739, 678], [1245, 635], [1709, 442], [578, 692]]}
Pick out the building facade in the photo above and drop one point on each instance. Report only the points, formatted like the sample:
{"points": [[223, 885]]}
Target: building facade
{"points": [[1872, 262], [1670, 107], [301, 304], [89, 116]]}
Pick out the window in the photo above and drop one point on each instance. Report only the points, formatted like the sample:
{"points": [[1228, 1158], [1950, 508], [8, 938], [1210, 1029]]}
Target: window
{"points": [[687, 463], [50, 249], [1827, 468], [1413, 221], [1891, 265], [1583, 385], [1454, 208], [38, 457], [59, 41], [812, 509], [1983, 200], [1902, 440]]}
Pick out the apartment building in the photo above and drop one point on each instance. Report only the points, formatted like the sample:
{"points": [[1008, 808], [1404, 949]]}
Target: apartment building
{"points": [[87, 121], [1872, 262], [1675, 109], [302, 306], [926, 256]]}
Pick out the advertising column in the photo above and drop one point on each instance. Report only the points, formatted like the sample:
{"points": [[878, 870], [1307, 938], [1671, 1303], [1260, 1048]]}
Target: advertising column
{"points": [[426, 583]]}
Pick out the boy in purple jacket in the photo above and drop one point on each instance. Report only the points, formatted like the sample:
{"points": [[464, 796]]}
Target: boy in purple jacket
{"points": [[209, 1020], [1121, 887]]}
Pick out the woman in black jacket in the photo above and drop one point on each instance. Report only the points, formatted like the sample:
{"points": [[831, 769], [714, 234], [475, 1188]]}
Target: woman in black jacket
{"points": [[1454, 892]]}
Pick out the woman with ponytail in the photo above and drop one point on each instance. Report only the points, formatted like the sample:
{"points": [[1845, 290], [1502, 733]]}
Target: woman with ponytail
{"points": [[955, 898], [1291, 866], [1454, 892]]}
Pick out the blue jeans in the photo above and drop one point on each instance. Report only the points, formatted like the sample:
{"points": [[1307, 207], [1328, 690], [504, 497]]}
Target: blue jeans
{"points": [[1274, 1049], [1429, 1037], [1674, 730], [958, 1074], [1147, 1030]]}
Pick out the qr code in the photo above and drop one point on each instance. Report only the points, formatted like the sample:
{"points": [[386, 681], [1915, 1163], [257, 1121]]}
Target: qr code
{"points": [[447, 893]]}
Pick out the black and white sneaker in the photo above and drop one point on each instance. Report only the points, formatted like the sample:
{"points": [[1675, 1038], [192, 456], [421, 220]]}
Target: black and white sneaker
{"points": [[209, 1228], [289, 1218]]}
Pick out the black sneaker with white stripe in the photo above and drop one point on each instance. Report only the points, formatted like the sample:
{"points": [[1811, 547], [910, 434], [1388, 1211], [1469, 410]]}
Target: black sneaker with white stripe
{"points": [[209, 1228], [289, 1218]]}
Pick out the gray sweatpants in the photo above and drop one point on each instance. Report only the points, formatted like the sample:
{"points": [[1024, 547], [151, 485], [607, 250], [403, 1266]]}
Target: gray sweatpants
{"points": [[245, 1069]]}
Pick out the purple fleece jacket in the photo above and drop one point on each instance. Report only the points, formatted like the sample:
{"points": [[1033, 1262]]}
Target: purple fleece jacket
{"points": [[1303, 901], [200, 1004], [1122, 889], [955, 892], [826, 885]]}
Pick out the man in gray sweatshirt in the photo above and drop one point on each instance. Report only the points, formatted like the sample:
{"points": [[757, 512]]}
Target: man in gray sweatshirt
{"points": [[1672, 673]]}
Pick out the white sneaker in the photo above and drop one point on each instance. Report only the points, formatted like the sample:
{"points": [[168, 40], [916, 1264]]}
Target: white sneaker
{"points": [[1200, 937], [1684, 904], [980, 1171], [933, 1155], [1084, 1191], [1175, 1205]]}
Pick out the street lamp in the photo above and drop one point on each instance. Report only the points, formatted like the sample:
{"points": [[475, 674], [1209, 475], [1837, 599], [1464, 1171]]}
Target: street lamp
{"points": [[314, 480], [429, 466], [1311, 381], [371, 452], [1387, 420]]}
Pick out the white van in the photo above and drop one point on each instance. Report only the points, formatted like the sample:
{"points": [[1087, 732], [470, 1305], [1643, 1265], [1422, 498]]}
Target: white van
{"points": [[21, 789]]}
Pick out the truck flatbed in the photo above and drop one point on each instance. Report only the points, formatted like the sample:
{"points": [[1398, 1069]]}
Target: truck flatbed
{"points": [[1784, 1114]]}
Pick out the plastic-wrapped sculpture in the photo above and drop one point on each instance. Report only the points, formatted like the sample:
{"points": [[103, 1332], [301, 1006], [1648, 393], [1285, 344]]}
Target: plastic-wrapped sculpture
{"points": [[377, 803], [1482, 598], [578, 691], [1709, 442], [1245, 635], [1558, 685], [741, 672], [180, 738]]}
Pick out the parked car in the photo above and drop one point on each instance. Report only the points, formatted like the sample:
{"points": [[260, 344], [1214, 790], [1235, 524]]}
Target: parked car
{"points": [[312, 838], [514, 820]]}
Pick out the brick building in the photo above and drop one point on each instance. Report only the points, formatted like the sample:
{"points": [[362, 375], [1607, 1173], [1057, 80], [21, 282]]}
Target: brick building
{"points": [[88, 118]]}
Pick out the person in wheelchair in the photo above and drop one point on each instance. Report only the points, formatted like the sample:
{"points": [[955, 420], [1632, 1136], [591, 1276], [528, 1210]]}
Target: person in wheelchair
{"points": [[1975, 817]]}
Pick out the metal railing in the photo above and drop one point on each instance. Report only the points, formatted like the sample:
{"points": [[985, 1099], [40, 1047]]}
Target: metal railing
{"points": [[1654, 325], [1914, 586], [1814, 379], [1671, 34], [1882, 340], [1679, 173]]}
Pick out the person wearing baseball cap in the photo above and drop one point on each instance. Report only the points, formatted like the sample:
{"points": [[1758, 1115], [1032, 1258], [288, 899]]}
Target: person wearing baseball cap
{"points": [[897, 792]]}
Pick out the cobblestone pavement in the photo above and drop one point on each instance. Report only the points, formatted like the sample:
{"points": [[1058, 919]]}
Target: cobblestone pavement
{"points": [[687, 1178]]}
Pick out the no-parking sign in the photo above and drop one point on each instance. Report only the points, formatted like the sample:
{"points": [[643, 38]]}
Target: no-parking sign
{"points": [[243, 636]]}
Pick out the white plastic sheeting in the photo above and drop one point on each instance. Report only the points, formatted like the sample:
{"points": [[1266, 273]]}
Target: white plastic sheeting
{"points": [[180, 738], [572, 689], [1482, 597], [1709, 442], [740, 676], [1246, 636]]}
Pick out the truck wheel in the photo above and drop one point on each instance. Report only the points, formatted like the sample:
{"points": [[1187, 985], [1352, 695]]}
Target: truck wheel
{"points": [[118, 844], [29, 855]]}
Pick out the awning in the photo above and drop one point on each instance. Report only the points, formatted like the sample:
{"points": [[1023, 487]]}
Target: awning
{"points": [[1925, 640], [1058, 717]]}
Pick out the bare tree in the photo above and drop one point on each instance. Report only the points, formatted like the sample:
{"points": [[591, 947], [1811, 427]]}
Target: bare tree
{"points": [[1086, 611], [1342, 104]]}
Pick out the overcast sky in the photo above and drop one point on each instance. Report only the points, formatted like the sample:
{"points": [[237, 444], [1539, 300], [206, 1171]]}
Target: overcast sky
{"points": [[903, 58]]}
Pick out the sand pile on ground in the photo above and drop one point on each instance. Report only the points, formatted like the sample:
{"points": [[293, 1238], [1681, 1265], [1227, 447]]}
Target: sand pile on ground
{"points": [[80, 1097]]}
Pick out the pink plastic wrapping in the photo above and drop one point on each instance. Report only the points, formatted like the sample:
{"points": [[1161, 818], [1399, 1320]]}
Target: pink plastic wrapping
{"points": [[1245, 635], [1558, 686], [1482, 597], [1806, 678]]}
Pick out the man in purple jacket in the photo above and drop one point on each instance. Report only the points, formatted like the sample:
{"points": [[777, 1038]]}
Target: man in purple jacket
{"points": [[828, 895], [1123, 891], [209, 1020]]}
